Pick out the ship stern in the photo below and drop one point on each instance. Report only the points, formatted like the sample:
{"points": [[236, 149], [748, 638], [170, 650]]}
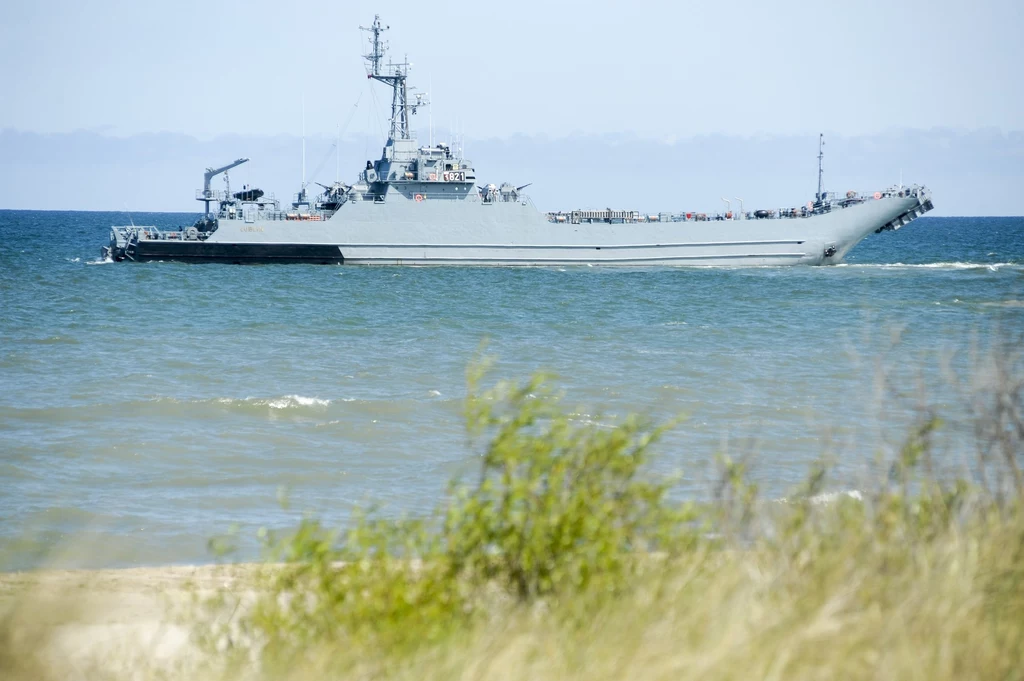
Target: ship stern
{"points": [[121, 244]]}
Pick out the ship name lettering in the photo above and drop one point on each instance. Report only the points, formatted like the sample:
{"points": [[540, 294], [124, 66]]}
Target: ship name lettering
{"points": [[251, 228]]}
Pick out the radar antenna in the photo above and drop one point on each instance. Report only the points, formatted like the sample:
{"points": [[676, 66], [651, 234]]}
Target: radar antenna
{"points": [[393, 75], [821, 156]]}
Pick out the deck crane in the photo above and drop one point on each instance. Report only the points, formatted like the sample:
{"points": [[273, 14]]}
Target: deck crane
{"points": [[209, 175]]}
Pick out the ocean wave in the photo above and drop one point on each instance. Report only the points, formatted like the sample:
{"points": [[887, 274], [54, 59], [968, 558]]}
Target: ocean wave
{"points": [[990, 266], [1005, 303], [52, 340], [171, 407], [98, 261], [828, 497], [297, 400], [284, 402]]}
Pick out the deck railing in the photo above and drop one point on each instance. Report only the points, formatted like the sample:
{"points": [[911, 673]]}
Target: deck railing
{"points": [[831, 201]]}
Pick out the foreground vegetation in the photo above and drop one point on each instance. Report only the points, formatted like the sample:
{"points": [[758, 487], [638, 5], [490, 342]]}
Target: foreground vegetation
{"points": [[567, 558]]}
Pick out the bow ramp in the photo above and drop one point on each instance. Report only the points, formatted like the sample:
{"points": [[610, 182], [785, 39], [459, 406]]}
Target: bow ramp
{"points": [[924, 204]]}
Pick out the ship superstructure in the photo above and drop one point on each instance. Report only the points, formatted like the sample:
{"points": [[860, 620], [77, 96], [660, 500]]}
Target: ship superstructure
{"points": [[422, 205]]}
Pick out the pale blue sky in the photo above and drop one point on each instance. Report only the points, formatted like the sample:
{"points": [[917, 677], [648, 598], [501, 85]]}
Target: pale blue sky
{"points": [[658, 69]]}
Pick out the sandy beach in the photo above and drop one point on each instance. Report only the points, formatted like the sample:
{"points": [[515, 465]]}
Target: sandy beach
{"points": [[76, 622]]}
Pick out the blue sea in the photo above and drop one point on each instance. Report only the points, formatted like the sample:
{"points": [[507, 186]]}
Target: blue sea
{"points": [[145, 408]]}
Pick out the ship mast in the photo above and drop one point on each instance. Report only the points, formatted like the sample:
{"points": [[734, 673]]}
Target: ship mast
{"points": [[821, 155], [393, 75]]}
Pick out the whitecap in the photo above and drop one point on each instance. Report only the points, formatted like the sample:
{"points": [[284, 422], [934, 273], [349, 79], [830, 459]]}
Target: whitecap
{"points": [[829, 497], [990, 266], [284, 402], [296, 401], [832, 497]]}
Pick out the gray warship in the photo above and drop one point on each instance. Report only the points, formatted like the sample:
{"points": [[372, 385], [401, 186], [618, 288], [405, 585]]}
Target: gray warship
{"points": [[422, 205]]}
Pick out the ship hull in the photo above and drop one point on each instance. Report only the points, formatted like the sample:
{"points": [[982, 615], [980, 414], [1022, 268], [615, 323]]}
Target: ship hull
{"points": [[236, 253], [516, 234], [402, 232]]}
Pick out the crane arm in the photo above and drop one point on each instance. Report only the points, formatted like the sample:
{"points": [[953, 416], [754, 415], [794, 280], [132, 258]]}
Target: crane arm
{"points": [[212, 172]]}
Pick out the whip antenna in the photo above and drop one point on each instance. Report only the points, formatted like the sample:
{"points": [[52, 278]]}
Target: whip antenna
{"points": [[821, 155]]}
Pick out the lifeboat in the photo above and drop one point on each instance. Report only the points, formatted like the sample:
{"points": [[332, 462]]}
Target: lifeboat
{"points": [[248, 194]]}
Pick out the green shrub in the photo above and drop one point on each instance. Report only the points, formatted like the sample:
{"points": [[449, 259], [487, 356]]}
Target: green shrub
{"points": [[558, 509]]}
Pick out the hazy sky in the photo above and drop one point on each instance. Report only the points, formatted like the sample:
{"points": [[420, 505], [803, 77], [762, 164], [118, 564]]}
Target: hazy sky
{"points": [[658, 69]]}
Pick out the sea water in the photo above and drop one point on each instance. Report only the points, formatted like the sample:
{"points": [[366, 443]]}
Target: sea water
{"points": [[145, 408]]}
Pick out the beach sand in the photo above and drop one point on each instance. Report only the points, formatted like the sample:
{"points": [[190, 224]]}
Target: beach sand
{"points": [[80, 623]]}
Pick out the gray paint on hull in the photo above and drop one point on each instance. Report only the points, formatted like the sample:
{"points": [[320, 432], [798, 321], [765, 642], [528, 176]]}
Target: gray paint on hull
{"points": [[472, 233]]}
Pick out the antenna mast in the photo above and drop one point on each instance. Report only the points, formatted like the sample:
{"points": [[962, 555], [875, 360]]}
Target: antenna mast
{"points": [[821, 155], [303, 142], [394, 76]]}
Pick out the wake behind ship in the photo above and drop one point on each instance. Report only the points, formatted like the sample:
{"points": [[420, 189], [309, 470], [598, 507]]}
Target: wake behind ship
{"points": [[421, 205]]}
